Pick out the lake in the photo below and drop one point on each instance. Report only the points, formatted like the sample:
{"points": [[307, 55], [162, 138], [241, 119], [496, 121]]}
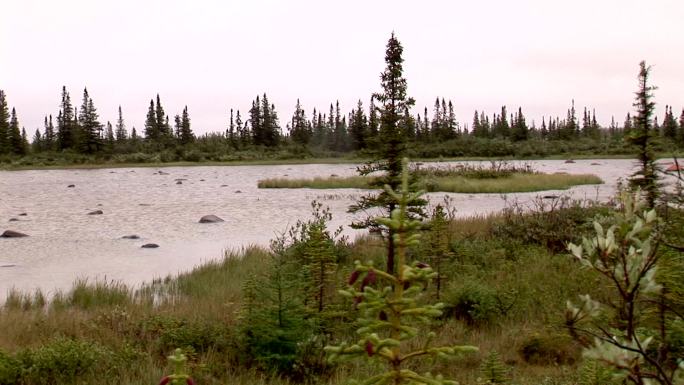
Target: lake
{"points": [[66, 243]]}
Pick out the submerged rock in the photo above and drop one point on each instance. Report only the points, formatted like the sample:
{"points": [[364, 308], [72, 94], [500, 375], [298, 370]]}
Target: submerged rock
{"points": [[12, 234], [569, 161], [149, 246], [96, 212], [23, 214], [130, 237], [9, 265], [71, 186], [179, 182], [13, 220], [210, 219]]}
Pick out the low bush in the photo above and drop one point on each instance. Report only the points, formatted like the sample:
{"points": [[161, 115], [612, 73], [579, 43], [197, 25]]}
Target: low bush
{"points": [[62, 360], [550, 349]]}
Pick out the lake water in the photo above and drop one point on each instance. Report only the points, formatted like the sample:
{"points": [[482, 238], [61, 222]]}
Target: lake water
{"points": [[66, 244]]}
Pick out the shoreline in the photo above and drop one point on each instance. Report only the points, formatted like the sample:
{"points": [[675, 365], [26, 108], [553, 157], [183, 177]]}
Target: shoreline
{"points": [[272, 162]]}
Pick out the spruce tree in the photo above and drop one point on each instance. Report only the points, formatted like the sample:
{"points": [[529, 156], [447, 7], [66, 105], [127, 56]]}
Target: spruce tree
{"points": [[66, 123], [393, 309], [4, 124], [231, 134], [151, 131], [300, 132], [669, 124], [390, 148], [15, 140], [121, 134], [187, 136], [642, 138], [358, 127], [37, 144], [109, 136], [90, 127], [162, 122], [49, 138]]}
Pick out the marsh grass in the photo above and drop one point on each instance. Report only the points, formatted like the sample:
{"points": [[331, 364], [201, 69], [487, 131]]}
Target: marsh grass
{"points": [[516, 182], [198, 311]]}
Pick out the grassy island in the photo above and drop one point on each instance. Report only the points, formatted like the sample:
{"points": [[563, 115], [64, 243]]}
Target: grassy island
{"points": [[470, 179]]}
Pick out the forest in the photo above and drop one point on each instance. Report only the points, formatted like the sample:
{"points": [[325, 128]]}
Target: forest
{"points": [[563, 292], [77, 135]]}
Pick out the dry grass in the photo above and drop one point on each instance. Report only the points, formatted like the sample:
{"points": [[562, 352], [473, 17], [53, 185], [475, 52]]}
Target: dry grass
{"points": [[518, 182]]}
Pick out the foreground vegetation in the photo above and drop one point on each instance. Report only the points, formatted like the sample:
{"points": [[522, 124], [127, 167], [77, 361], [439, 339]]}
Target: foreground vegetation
{"points": [[473, 179], [494, 272]]}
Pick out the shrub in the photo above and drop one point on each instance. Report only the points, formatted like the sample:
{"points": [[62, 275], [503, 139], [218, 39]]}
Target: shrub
{"points": [[10, 369], [549, 350], [61, 360], [473, 302]]}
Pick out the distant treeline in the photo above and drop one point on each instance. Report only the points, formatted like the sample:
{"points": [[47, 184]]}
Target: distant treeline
{"points": [[79, 131]]}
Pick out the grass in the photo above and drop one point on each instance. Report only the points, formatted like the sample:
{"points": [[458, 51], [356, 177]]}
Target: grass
{"points": [[127, 333], [517, 182]]}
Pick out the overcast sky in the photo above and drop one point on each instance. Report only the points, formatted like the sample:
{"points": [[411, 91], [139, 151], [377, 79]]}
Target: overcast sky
{"points": [[213, 55]]}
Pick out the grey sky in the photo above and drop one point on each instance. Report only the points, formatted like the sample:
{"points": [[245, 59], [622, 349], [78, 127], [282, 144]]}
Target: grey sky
{"points": [[215, 55]]}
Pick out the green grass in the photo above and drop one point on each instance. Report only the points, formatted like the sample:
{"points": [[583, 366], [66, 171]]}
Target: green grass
{"points": [[504, 290], [518, 182]]}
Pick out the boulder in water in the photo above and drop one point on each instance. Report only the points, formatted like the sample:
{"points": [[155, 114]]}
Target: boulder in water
{"points": [[13, 220], [569, 161], [150, 246], [12, 234], [71, 186], [96, 212], [210, 219], [130, 237]]}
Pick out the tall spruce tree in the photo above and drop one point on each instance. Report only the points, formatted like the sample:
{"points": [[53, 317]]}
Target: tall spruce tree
{"points": [[358, 127], [390, 148], [643, 136], [4, 124], [66, 123], [121, 134], [300, 132], [90, 127], [15, 140], [151, 131], [186, 135]]}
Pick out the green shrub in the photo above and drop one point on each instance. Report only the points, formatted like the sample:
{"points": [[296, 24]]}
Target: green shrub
{"points": [[549, 350], [61, 360], [473, 302], [10, 369]]}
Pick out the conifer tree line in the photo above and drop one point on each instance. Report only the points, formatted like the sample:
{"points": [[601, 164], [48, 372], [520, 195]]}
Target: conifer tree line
{"points": [[330, 130]]}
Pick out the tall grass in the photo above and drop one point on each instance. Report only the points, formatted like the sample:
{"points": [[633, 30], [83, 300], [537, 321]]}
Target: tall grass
{"points": [[518, 290], [517, 182]]}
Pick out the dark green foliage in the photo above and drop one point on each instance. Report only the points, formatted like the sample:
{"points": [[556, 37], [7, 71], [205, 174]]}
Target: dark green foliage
{"points": [[185, 135], [67, 128], [16, 141], [593, 372], [493, 370], [392, 315], [196, 336], [314, 249], [551, 222], [473, 302], [391, 145], [90, 128], [274, 319], [62, 360], [10, 369], [4, 124], [549, 349], [642, 137], [263, 120]]}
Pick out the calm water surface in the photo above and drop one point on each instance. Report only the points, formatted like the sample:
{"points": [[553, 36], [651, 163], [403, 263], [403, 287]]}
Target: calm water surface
{"points": [[66, 244]]}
